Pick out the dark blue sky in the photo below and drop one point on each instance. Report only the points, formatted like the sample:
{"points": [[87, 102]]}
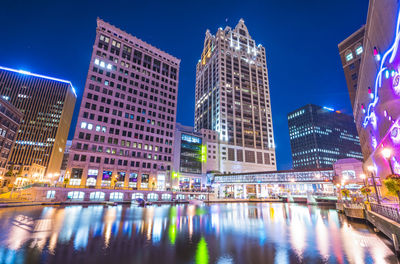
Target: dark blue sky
{"points": [[56, 38]]}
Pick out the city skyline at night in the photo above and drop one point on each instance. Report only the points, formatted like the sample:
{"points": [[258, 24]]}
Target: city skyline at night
{"points": [[300, 72]]}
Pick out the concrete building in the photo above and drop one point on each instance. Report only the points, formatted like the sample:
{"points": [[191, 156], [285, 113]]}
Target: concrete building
{"points": [[319, 136], [47, 105], [126, 122], [351, 51], [376, 107], [10, 119], [232, 98]]}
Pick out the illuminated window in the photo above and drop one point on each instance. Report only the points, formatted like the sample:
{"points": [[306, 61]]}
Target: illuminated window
{"points": [[50, 194], [349, 56], [83, 125], [90, 126], [359, 50]]}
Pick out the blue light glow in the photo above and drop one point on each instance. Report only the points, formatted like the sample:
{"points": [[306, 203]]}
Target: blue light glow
{"points": [[328, 108], [40, 76]]}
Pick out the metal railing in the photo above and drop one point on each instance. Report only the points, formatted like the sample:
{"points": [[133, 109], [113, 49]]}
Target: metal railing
{"points": [[390, 212]]}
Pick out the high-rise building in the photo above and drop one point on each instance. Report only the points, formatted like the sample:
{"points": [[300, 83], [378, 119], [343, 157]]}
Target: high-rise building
{"points": [[47, 105], [232, 98], [376, 108], [319, 136], [10, 119], [351, 51], [125, 127]]}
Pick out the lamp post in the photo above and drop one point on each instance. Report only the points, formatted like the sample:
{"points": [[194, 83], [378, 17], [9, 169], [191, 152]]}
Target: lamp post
{"points": [[387, 154], [372, 170], [339, 191], [365, 184]]}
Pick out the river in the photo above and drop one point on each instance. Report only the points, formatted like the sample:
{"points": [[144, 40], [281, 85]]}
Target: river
{"points": [[219, 233]]}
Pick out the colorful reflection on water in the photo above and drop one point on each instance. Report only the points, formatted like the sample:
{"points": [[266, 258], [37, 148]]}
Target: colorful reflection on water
{"points": [[219, 233]]}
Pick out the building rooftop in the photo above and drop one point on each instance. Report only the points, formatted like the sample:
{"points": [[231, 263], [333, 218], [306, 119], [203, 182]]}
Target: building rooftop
{"points": [[39, 76]]}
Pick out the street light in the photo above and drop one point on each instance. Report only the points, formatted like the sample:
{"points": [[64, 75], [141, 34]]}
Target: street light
{"points": [[372, 170], [363, 177], [387, 154]]}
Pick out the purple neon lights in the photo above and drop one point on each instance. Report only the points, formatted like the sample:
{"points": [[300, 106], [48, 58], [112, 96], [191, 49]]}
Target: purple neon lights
{"points": [[392, 51]]}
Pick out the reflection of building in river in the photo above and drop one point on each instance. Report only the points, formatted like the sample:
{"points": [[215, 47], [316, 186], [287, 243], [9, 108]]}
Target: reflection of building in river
{"points": [[234, 233]]}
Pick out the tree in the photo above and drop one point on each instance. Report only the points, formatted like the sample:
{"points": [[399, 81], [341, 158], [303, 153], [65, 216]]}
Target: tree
{"points": [[66, 181], [392, 183], [365, 191], [9, 175], [345, 193]]}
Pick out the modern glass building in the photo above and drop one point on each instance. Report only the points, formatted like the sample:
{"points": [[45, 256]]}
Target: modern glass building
{"points": [[232, 98], [47, 105], [126, 121], [319, 136], [189, 158]]}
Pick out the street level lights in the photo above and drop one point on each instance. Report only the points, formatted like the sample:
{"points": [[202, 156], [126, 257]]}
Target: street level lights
{"points": [[372, 170], [365, 185], [387, 154]]}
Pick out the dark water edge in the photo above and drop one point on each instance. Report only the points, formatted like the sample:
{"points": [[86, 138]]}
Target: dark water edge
{"points": [[216, 233]]}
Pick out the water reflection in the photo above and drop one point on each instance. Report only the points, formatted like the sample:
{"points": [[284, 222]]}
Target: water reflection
{"points": [[219, 233]]}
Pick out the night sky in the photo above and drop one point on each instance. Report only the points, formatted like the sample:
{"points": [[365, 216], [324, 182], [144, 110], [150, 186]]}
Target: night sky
{"points": [[56, 37]]}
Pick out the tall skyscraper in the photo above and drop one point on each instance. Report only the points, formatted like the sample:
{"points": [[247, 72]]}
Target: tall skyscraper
{"points": [[232, 98], [319, 136], [125, 127], [351, 51], [47, 105]]}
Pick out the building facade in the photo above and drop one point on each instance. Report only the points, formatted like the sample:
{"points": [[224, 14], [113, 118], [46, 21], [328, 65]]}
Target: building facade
{"points": [[319, 136], [47, 105], [351, 51], [376, 108], [126, 122], [232, 98], [189, 159], [10, 120]]}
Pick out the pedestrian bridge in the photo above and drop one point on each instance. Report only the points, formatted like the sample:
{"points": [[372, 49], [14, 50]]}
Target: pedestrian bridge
{"points": [[290, 177], [275, 183]]}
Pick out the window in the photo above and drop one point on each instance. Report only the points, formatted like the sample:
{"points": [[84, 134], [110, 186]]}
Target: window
{"points": [[91, 182], [180, 197], [137, 196], [75, 182], [152, 197], [166, 196], [359, 50], [83, 125], [78, 196], [116, 196], [349, 56], [97, 196], [50, 194]]}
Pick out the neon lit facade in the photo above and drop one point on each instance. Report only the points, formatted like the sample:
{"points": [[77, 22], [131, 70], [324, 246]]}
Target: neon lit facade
{"points": [[376, 109]]}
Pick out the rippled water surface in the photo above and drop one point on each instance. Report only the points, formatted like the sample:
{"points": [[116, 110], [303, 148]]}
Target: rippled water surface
{"points": [[219, 233]]}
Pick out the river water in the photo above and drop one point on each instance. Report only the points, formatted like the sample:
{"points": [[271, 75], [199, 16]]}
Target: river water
{"points": [[219, 233]]}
